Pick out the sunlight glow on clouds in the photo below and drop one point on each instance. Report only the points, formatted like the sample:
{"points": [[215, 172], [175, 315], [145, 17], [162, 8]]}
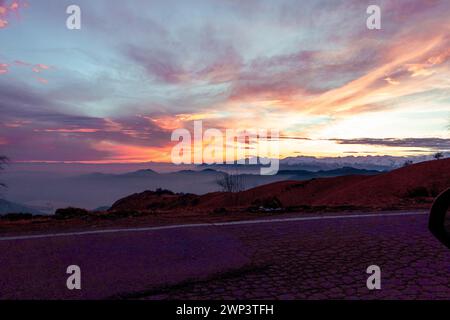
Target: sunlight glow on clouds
{"points": [[137, 70]]}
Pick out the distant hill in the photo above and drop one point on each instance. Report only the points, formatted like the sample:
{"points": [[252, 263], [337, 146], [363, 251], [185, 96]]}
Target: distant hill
{"points": [[304, 174], [11, 207], [313, 164], [90, 191], [379, 163], [412, 186]]}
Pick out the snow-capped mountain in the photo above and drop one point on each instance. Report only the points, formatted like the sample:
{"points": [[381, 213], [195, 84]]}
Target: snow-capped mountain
{"points": [[358, 162]]}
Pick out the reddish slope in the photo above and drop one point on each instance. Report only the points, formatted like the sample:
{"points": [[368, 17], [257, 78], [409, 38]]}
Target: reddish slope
{"points": [[404, 185], [408, 187]]}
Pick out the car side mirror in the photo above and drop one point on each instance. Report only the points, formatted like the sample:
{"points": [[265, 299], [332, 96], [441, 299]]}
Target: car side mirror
{"points": [[439, 221]]}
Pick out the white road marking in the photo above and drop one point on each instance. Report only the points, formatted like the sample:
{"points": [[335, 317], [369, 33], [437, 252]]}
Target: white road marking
{"points": [[198, 225]]}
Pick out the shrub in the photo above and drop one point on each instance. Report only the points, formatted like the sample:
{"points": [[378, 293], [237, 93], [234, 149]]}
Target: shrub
{"points": [[68, 213], [418, 192], [220, 211], [407, 163], [161, 192], [267, 203], [272, 203], [118, 214], [438, 155]]}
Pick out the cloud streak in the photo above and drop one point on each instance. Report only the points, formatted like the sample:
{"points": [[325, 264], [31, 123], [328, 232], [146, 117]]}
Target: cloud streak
{"points": [[438, 144]]}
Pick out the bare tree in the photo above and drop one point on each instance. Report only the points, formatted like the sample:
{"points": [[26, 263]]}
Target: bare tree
{"points": [[230, 182], [3, 161], [438, 155], [233, 184]]}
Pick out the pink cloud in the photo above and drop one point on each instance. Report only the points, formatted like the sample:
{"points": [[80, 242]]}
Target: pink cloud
{"points": [[8, 7], [36, 68], [21, 63], [3, 68], [14, 6], [42, 80], [40, 67], [3, 23]]}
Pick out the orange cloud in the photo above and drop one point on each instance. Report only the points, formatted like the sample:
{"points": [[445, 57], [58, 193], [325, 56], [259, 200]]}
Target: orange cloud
{"points": [[130, 153], [171, 122]]}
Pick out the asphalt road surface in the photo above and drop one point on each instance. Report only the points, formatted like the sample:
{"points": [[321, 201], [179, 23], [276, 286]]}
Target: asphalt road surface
{"points": [[285, 258]]}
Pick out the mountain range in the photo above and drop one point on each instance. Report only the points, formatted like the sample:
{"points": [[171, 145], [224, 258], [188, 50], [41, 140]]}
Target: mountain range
{"points": [[11, 207], [47, 192], [378, 163], [47, 187]]}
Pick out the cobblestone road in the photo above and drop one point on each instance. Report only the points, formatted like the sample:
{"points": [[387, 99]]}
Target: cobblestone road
{"points": [[327, 259], [287, 259]]}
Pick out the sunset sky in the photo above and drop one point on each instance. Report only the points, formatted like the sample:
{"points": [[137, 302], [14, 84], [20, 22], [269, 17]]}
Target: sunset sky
{"points": [[116, 89]]}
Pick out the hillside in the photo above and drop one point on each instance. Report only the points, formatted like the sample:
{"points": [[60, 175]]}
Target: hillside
{"points": [[413, 186]]}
